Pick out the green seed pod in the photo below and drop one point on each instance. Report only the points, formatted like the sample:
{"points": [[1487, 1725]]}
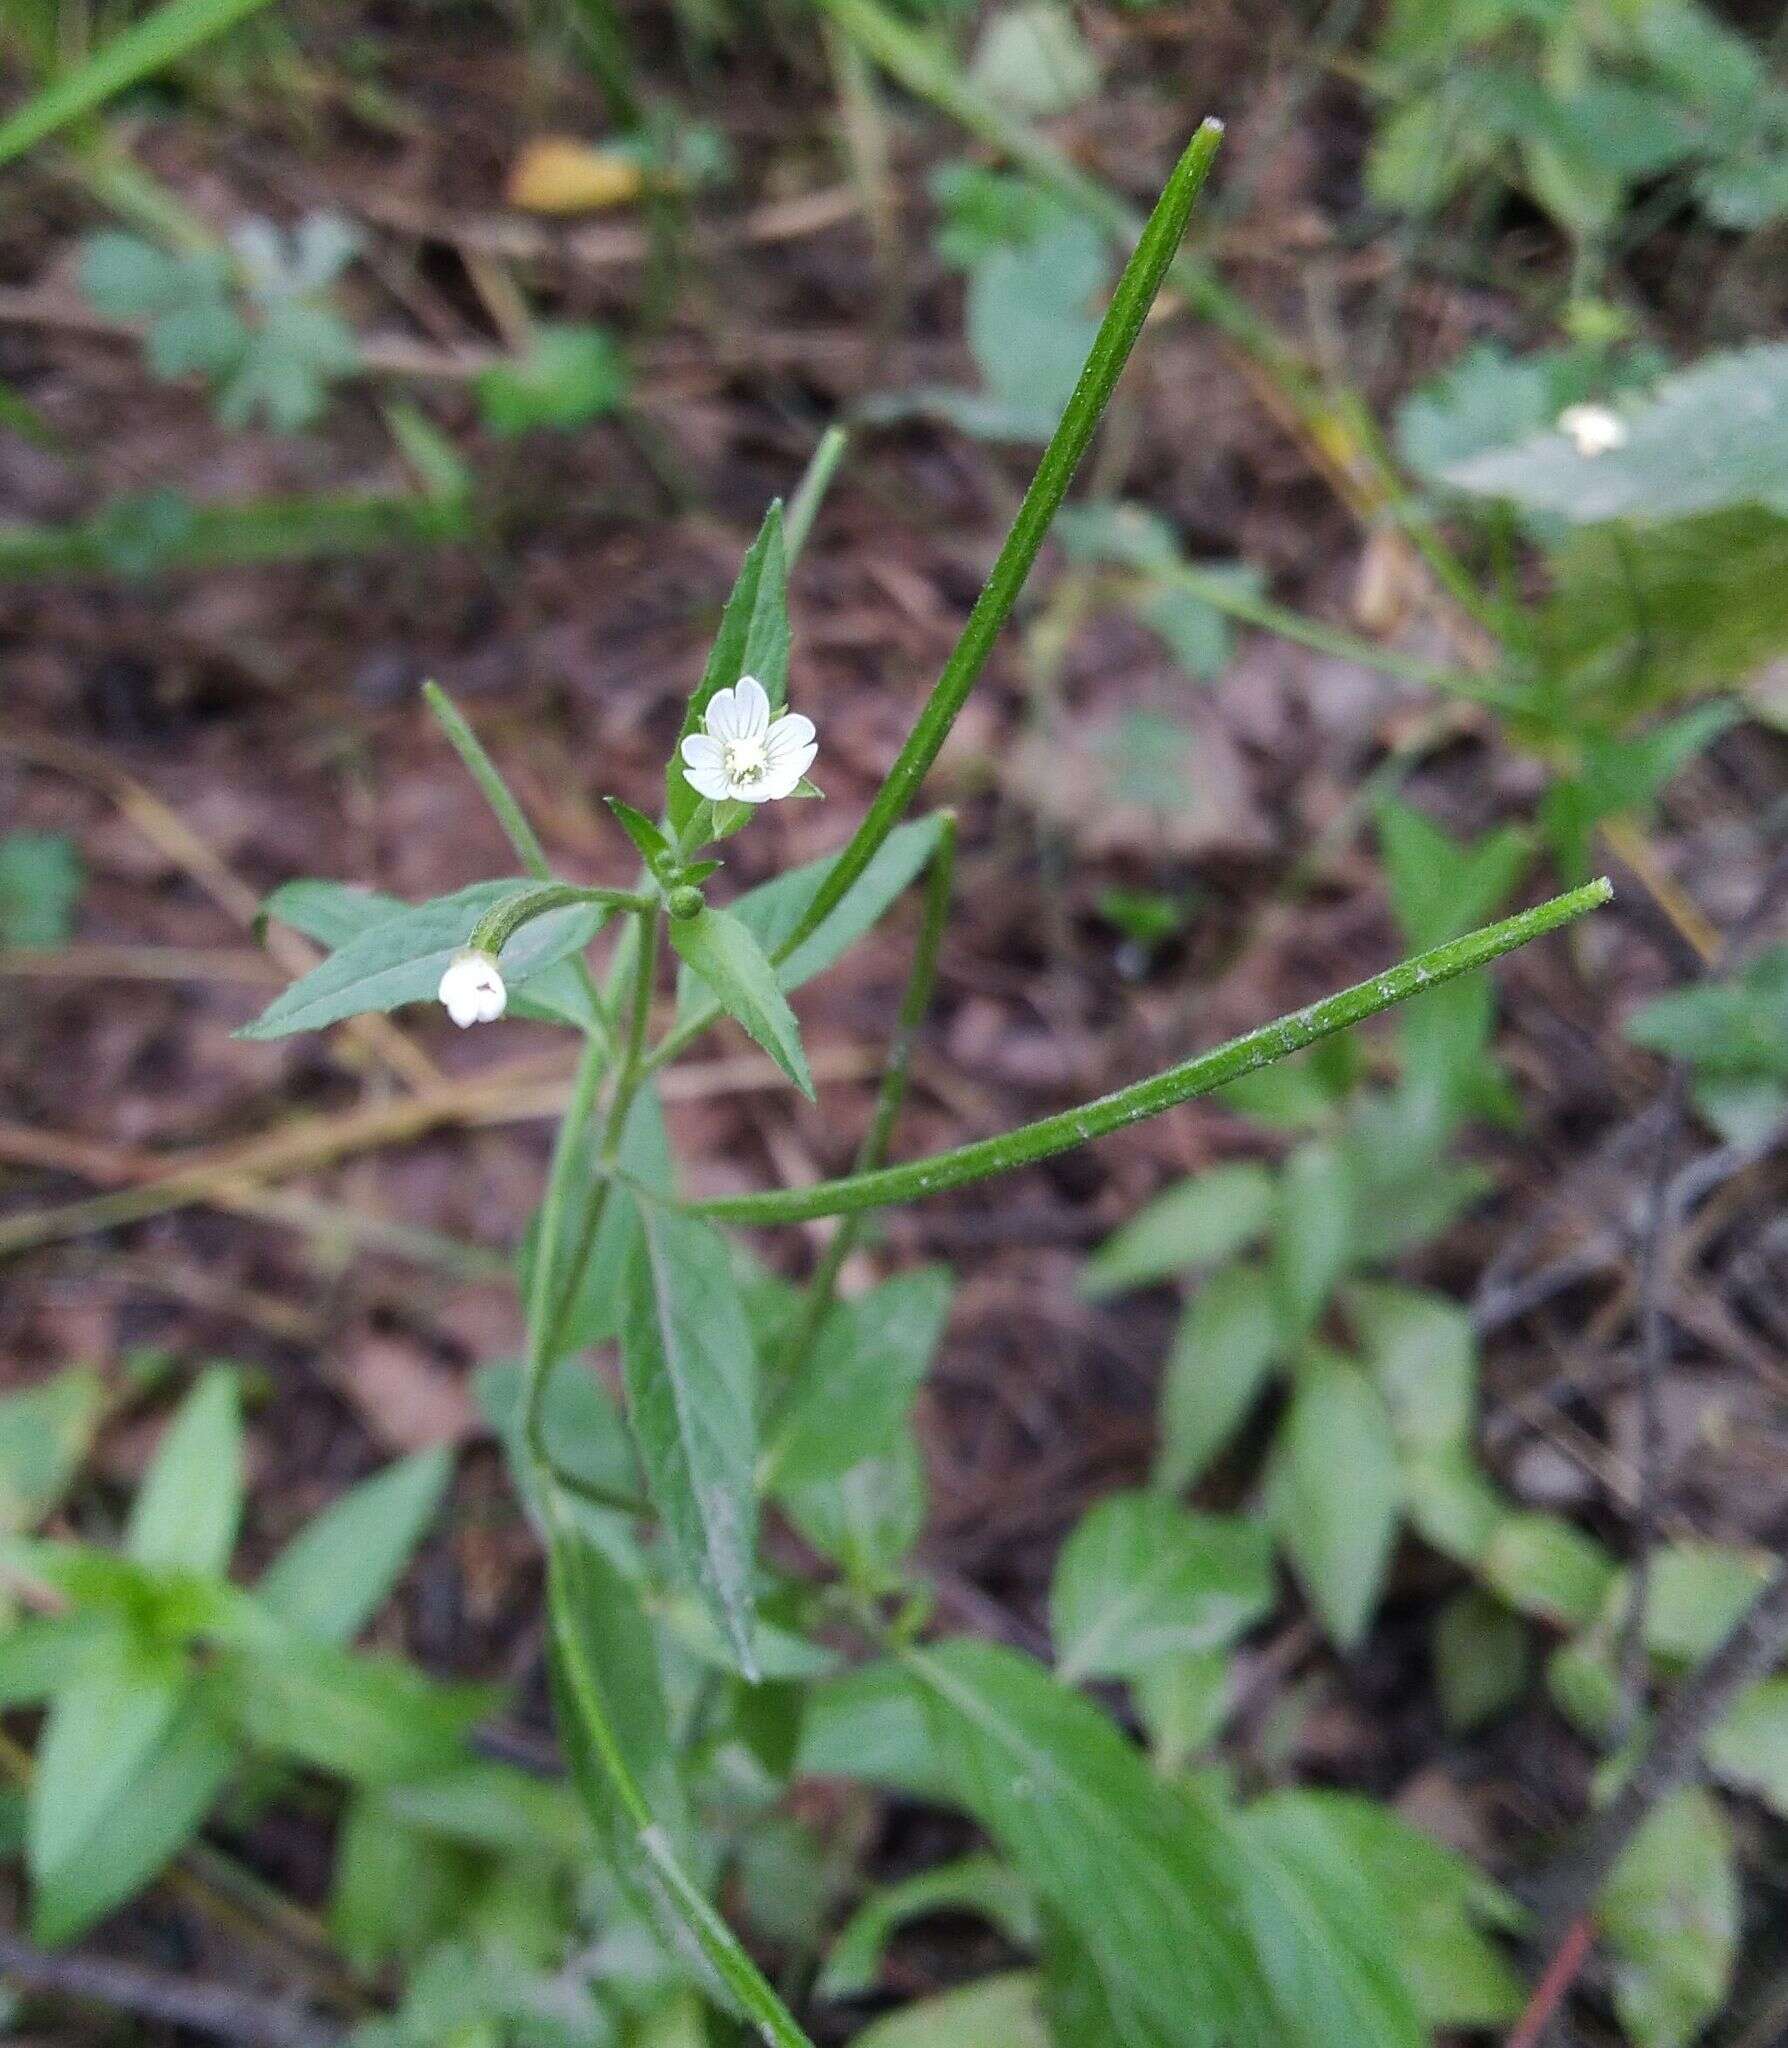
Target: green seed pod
{"points": [[684, 902]]}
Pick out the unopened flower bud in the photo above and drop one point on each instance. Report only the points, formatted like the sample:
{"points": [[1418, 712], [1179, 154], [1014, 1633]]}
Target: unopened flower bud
{"points": [[472, 989]]}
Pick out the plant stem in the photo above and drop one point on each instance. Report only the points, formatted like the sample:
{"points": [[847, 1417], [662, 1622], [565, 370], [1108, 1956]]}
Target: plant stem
{"points": [[491, 786], [717, 1940], [1196, 1076], [610, 51], [502, 921], [510, 815], [147, 46], [545, 1330], [537, 1369], [1135, 293], [633, 1057], [810, 492], [874, 1148]]}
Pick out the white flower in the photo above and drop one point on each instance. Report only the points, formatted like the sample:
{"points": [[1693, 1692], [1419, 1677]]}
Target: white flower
{"points": [[1592, 429], [743, 753], [472, 988]]}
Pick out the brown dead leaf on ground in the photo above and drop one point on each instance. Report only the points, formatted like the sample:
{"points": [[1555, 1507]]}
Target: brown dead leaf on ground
{"points": [[406, 1399]]}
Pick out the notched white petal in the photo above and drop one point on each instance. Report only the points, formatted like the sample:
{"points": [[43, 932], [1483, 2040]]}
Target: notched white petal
{"points": [[789, 735], [721, 716], [751, 706]]}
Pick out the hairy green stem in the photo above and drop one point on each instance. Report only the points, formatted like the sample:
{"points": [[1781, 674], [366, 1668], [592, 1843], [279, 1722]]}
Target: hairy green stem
{"points": [[1136, 290], [610, 50], [755, 1995], [810, 492], [502, 921], [1196, 1076], [633, 1056]]}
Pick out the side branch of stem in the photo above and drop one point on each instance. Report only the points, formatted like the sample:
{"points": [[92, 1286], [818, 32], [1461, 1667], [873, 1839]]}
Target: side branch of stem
{"points": [[1193, 1077]]}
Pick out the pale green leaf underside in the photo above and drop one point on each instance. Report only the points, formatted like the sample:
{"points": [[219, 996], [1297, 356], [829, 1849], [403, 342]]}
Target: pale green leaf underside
{"points": [[400, 958], [1713, 437]]}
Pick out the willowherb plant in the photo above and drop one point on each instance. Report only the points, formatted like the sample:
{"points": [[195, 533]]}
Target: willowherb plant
{"points": [[729, 1405]]}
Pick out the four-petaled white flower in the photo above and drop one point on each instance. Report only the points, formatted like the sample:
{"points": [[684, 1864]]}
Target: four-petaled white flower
{"points": [[743, 753], [1592, 429], [472, 989]]}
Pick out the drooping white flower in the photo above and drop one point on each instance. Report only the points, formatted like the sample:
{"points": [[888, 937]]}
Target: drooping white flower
{"points": [[472, 989], [745, 754], [1592, 429]]}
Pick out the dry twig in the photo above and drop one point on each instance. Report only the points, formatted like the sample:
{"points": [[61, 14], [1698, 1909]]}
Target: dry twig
{"points": [[221, 2010]]}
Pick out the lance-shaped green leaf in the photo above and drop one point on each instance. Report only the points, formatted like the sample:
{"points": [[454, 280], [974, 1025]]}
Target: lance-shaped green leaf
{"points": [[650, 843], [372, 1720], [609, 1702], [1196, 1222], [44, 1435], [860, 1379], [336, 912], [1712, 437], [190, 1503], [720, 949], [146, 1820], [101, 1731], [772, 912], [1750, 1747], [690, 1372], [865, 1520], [753, 641], [401, 958], [1141, 1579], [1228, 1339], [1141, 1877], [338, 1570], [1197, 1076], [1670, 1911], [995, 2012], [1362, 1923], [1337, 1491]]}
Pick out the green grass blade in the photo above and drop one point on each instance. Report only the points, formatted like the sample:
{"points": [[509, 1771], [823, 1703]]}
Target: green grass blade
{"points": [[161, 534], [1199, 1075], [1135, 293], [143, 49]]}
